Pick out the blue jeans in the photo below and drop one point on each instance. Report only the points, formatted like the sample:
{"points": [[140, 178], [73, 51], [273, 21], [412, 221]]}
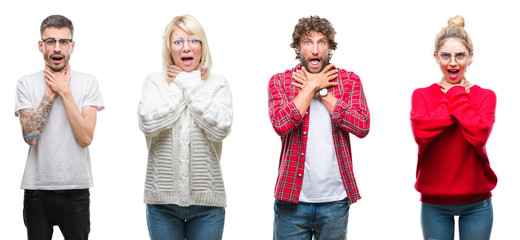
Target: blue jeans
{"points": [[69, 209], [173, 222], [475, 220], [324, 221]]}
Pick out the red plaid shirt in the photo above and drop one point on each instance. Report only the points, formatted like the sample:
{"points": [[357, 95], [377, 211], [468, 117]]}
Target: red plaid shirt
{"points": [[350, 116]]}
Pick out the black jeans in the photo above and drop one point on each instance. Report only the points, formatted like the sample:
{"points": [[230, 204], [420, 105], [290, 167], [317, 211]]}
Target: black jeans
{"points": [[68, 209]]}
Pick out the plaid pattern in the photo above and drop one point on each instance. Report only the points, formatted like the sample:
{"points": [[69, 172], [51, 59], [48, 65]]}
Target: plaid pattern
{"points": [[350, 116]]}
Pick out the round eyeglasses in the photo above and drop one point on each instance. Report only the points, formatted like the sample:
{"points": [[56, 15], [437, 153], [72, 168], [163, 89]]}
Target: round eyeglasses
{"points": [[193, 41], [460, 57]]}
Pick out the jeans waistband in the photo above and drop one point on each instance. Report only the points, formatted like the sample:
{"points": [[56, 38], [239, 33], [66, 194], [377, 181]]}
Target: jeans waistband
{"points": [[65, 191]]}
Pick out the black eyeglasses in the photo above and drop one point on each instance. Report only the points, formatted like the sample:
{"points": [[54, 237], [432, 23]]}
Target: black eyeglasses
{"points": [[51, 42]]}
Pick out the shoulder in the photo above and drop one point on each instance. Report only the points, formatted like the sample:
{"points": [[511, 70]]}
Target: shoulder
{"points": [[348, 75], [428, 93], [285, 75], [217, 79], [216, 83], [155, 78], [483, 92], [36, 76], [84, 81], [427, 90], [31, 82], [82, 76]]}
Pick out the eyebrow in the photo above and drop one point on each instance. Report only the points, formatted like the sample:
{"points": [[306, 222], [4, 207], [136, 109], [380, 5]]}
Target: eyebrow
{"points": [[191, 37], [321, 39], [455, 53]]}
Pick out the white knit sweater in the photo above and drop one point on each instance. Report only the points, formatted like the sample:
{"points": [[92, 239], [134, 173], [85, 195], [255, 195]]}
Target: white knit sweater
{"points": [[184, 123]]}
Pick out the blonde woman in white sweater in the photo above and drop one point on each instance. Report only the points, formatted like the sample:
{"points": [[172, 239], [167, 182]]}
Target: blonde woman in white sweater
{"points": [[185, 113]]}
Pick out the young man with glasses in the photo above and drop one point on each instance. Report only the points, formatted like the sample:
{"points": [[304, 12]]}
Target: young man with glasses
{"points": [[314, 107], [57, 108]]}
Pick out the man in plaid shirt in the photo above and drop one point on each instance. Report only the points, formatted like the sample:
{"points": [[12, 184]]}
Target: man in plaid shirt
{"points": [[316, 183]]}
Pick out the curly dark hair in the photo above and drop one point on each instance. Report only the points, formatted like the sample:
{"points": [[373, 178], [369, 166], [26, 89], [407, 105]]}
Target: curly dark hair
{"points": [[313, 23]]}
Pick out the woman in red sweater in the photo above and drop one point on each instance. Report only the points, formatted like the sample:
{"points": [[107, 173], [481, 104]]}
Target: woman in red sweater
{"points": [[451, 122]]}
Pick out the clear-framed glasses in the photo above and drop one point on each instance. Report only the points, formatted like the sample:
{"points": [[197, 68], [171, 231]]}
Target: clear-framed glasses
{"points": [[460, 57], [51, 42], [193, 41]]}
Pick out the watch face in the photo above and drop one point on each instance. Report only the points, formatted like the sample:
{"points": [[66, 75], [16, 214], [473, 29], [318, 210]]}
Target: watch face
{"points": [[323, 92]]}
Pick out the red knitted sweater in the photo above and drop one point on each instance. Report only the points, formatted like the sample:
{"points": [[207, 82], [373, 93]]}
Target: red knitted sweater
{"points": [[452, 130]]}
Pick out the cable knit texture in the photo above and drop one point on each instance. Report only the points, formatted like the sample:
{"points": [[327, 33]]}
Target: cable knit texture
{"points": [[184, 123]]}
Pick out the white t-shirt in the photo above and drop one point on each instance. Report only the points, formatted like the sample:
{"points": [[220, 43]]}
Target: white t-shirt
{"points": [[321, 180], [57, 162]]}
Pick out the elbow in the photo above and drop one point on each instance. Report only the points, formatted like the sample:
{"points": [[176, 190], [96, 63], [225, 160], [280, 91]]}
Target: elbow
{"points": [[281, 128], [218, 135], [31, 143], [280, 131], [85, 145], [363, 129], [363, 133], [31, 139], [149, 130], [85, 142]]}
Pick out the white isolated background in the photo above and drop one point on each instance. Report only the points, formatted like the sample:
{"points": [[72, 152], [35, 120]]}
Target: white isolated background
{"points": [[389, 44]]}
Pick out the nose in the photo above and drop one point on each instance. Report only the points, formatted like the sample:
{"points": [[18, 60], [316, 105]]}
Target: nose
{"points": [[315, 49], [57, 47], [186, 47], [453, 61]]}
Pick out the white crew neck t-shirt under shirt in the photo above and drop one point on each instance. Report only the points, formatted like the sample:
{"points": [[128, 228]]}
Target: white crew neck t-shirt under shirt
{"points": [[321, 180]]}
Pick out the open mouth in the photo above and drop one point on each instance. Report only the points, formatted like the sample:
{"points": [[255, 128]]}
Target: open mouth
{"points": [[187, 60], [315, 62], [453, 73], [57, 58]]}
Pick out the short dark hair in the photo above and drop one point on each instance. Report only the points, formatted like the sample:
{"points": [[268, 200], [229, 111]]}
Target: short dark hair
{"points": [[313, 23], [56, 21]]}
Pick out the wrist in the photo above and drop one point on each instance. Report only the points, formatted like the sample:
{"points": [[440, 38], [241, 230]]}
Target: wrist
{"points": [[323, 92], [50, 93], [64, 93]]}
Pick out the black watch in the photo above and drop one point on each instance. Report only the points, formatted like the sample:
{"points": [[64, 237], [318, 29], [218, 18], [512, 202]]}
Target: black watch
{"points": [[323, 92]]}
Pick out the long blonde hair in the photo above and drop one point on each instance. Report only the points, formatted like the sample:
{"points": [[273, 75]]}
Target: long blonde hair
{"points": [[191, 26]]}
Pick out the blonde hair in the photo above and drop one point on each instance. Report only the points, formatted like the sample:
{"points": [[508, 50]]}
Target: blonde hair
{"points": [[455, 29], [191, 26]]}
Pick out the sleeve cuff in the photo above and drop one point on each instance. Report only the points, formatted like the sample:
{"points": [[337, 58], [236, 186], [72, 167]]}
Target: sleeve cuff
{"points": [[188, 80], [454, 91]]}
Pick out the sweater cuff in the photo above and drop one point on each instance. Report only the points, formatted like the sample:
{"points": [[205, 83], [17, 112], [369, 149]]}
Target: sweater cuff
{"points": [[188, 80], [454, 91]]}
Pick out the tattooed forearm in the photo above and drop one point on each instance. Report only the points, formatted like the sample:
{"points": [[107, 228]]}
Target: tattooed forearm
{"points": [[33, 123]]}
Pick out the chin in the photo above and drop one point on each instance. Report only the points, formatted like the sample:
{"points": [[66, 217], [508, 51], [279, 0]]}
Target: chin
{"points": [[56, 68]]}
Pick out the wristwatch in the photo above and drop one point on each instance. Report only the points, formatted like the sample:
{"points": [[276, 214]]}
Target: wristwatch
{"points": [[323, 92]]}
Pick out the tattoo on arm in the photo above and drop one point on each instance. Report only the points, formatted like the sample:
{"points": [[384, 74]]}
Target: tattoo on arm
{"points": [[32, 122]]}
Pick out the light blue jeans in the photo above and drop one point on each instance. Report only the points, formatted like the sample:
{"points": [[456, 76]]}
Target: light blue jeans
{"points": [[324, 221], [475, 220], [173, 222]]}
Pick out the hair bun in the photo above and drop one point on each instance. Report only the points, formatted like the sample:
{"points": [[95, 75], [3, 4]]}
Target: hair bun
{"points": [[457, 21]]}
